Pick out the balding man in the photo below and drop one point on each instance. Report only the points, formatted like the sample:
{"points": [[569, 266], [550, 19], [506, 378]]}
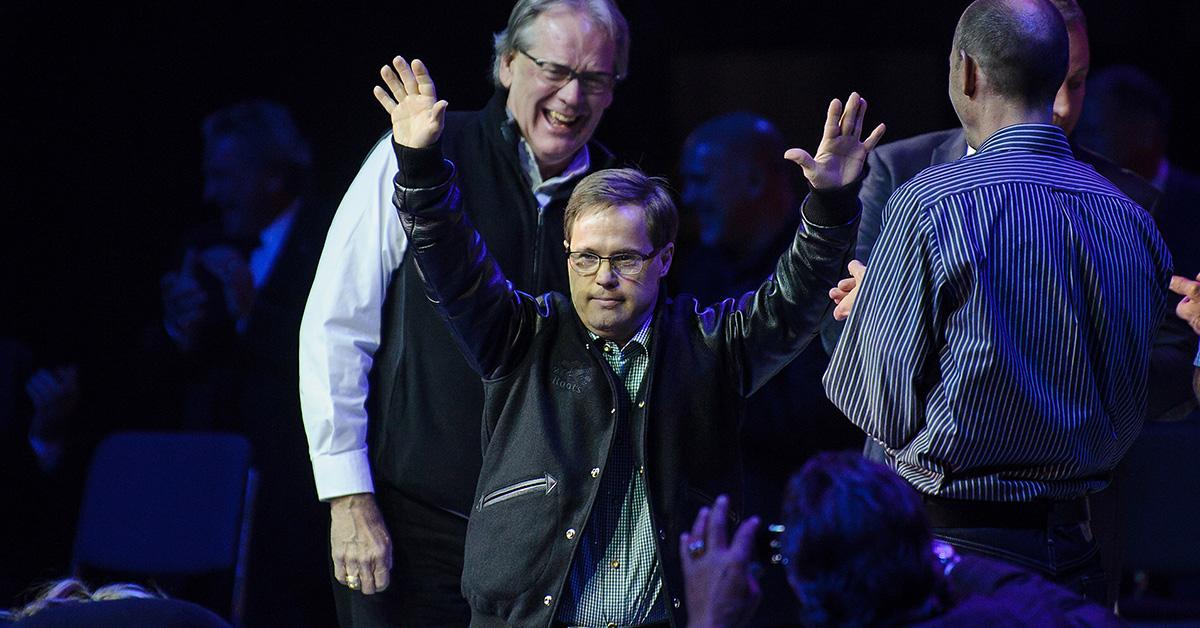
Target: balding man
{"points": [[999, 345]]}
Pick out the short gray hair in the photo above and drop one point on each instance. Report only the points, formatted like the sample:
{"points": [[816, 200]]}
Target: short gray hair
{"points": [[602, 13]]}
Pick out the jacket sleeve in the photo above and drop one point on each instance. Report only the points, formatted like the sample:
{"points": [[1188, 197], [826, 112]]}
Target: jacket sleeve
{"points": [[765, 329], [489, 319]]}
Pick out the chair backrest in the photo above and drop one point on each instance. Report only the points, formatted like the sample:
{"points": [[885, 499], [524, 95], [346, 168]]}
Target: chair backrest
{"points": [[167, 505]]}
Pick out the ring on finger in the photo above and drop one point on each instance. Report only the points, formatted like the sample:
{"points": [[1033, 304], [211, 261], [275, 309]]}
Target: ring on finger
{"points": [[352, 582], [696, 548]]}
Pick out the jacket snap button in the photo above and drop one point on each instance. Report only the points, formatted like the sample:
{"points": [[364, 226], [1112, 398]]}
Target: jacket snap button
{"points": [[596, 472], [547, 600], [613, 411], [662, 534], [676, 603], [570, 533], [642, 404]]}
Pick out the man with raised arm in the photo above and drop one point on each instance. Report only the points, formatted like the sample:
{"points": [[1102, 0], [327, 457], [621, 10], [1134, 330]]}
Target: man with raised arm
{"points": [[611, 413], [378, 365]]}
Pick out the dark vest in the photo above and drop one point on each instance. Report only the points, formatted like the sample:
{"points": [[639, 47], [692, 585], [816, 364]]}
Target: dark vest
{"points": [[425, 401]]}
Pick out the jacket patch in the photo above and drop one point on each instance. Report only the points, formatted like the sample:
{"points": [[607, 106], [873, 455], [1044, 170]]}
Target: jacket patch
{"points": [[572, 375]]}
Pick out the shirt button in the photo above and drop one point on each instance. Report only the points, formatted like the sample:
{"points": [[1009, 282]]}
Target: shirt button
{"points": [[570, 533], [616, 564], [674, 602], [596, 472], [642, 470], [548, 599]]}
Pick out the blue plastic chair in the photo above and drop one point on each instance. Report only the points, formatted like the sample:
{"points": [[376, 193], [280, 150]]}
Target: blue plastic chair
{"points": [[168, 506]]}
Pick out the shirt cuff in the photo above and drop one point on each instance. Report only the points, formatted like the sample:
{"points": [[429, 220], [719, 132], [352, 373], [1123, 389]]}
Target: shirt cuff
{"points": [[345, 473], [421, 168]]}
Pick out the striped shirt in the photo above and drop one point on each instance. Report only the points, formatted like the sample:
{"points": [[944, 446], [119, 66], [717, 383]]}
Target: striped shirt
{"points": [[1000, 342], [616, 578]]}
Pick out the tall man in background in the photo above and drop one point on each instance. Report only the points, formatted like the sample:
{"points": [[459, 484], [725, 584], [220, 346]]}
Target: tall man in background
{"points": [[998, 346], [391, 407]]}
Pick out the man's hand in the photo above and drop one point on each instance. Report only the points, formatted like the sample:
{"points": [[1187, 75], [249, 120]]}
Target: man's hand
{"points": [[840, 156], [232, 269], [1189, 306], [417, 114], [184, 304], [721, 588], [362, 549], [844, 293]]}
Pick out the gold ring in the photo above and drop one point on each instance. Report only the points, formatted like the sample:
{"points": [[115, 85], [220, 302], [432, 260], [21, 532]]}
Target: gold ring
{"points": [[352, 582]]}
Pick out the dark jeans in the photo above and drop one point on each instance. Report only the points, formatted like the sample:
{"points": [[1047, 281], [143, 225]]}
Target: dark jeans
{"points": [[1066, 554], [427, 561]]}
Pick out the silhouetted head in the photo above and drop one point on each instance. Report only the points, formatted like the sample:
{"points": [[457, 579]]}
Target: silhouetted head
{"points": [[858, 545]]}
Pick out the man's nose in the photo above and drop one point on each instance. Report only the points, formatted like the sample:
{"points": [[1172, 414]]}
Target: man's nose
{"points": [[572, 92], [605, 275]]}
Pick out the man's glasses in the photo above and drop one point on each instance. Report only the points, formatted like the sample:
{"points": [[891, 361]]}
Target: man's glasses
{"points": [[627, 265], [558, 74]]}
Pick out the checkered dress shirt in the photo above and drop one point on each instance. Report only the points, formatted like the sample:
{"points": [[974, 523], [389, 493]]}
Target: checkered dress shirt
{"points": [[616, 579]]}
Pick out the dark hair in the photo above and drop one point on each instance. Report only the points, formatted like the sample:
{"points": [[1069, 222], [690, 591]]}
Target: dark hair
{"points": [[1020, 45], [858, 544], [626, 186], [269, 132]]}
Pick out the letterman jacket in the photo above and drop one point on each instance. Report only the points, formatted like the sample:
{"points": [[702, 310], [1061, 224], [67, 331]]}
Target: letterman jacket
{"points": [[551, 400]]}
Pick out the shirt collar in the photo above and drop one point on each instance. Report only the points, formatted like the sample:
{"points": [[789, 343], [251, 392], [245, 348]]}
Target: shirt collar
{"points": [[640, 339], [1038, 138]]}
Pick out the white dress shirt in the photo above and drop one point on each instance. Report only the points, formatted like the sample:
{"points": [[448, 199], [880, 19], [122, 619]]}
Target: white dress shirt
{"points": [[340, 331]]}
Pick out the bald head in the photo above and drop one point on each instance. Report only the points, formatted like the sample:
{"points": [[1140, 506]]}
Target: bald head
{"points": [[1020, 46]]}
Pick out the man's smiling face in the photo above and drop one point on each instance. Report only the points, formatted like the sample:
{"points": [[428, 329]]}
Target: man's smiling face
{"points": [[556, 120]]}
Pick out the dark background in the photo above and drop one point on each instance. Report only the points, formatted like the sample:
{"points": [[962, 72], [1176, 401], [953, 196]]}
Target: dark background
{"points": [[102, 107]]}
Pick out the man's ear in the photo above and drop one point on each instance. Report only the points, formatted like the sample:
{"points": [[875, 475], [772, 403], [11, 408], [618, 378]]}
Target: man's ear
{"points": [[970, 74], [506, 70], [566, 246], [665, 256]]}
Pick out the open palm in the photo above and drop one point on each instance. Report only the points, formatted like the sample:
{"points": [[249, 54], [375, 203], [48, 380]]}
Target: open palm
{"points": [[840, 156], [417, 114]]}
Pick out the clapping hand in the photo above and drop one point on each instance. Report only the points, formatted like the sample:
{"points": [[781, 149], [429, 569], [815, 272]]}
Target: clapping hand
{"points": [[417, 114]]}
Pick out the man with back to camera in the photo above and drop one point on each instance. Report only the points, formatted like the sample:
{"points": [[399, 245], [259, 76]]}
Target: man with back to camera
{"points": [[998, 347], [374, 352], [610, 415]]}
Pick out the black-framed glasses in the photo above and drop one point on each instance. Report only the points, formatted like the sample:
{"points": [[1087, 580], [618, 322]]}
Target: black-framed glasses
{"points": [[627, 265], [559, 74]]}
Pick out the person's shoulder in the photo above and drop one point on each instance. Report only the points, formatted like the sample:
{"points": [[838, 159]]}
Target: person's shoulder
{"points": [[921, 148], [1127, 181]]}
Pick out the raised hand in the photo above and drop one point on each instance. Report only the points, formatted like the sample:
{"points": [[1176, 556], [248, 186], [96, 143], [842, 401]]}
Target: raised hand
{"points": [[722, 590], [840, 156], [417, 114]]}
